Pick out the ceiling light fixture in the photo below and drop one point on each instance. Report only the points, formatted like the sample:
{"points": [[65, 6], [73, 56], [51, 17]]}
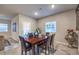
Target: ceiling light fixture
{"points": [[36, 13], [52, 6]]}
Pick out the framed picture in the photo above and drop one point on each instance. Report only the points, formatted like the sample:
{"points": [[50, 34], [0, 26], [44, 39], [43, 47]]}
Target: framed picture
{"points": [[14, 27]]}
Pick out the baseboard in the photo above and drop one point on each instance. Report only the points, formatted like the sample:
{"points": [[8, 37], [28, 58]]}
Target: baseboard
{"points": [[58, 44], [62, 43]]}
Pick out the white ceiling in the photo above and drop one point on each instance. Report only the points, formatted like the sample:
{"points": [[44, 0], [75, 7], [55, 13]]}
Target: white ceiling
{"points": [[7, 11]]}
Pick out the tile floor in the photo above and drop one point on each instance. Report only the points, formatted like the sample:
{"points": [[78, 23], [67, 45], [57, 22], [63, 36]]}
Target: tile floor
{"points": [[16, 50], [65, 50]]}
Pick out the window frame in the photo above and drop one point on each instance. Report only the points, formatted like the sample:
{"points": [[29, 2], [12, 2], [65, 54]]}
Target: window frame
{"points": [[50, 23], [6, 29]]}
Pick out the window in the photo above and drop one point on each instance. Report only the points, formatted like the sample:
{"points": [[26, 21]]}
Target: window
{"points": [[50, 26], [3, 27], [26, 28]]}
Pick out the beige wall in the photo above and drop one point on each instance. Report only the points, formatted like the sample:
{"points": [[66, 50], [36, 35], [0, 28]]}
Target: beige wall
{"points": [[14, 35], [64, 21], [20, 19], [6, 34], [25, 19]]}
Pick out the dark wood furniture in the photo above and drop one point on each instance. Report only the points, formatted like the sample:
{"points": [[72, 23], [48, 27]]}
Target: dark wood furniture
{"points": [[25, 45], [35, 41], [43, 45], [48, 45]]}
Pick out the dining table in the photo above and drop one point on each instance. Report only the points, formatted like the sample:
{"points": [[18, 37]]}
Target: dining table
{"points": [[35, 41]]}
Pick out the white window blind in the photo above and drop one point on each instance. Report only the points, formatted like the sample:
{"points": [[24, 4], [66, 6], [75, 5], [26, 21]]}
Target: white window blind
{"points": [[3, 27], [50, 26]]}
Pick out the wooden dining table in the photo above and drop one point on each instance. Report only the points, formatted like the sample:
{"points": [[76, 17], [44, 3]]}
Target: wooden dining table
{"points": [[35, 41]]}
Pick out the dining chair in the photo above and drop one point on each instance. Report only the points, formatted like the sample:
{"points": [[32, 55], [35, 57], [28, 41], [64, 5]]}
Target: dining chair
{"points": [[47, 44], [30, 35], [25, 46], [50, 44], [43, 45]]}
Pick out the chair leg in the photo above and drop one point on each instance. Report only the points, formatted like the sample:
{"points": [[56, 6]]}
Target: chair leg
{"points": [[21, 52], [48, 50], [30, 52], [25, 52], [45, 50], [38, 50]]}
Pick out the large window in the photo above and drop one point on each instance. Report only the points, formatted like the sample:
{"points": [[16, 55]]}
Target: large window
{"points": [[50, 26], [3, 27]]}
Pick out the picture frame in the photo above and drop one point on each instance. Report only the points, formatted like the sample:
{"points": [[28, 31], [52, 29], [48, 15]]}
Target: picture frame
{"points": [[14, 27]]}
